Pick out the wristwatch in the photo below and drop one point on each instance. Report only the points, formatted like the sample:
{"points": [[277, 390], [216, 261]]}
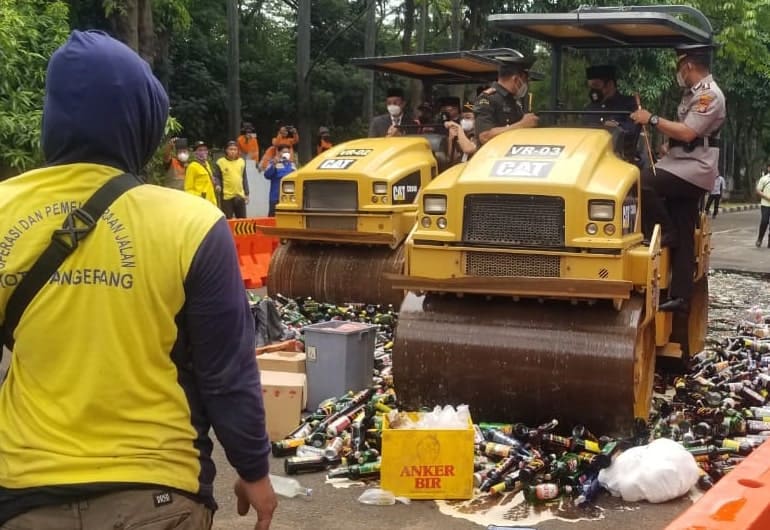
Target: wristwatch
{"points": [[654, 119]]}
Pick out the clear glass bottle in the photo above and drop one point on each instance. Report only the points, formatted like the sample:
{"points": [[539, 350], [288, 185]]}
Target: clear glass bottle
{"points": [[289, 487]]}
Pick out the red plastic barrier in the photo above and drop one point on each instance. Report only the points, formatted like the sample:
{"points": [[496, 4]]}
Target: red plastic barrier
{"points": [[739, 501], [254, 249]]}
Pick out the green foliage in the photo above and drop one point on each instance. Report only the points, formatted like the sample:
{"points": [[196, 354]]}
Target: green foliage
{"points": [[30, 31], [155, 172]]}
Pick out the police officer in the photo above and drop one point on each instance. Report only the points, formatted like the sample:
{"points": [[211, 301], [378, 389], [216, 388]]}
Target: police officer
{"points": [[688, 169], [499, 108]]}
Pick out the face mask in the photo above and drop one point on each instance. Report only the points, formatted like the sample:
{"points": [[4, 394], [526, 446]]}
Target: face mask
{"points": [[394, 110], [522, 91], [596, 95], [466, 124], [251, 135], [202, 156], [285, 156], [680, 80], [183, 157]]}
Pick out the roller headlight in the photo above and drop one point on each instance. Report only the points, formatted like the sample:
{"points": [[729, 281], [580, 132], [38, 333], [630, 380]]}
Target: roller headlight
{"points": [[441, 222], [592, 229], [380, 188], [287, 187], [601, 210], [434, 204]]}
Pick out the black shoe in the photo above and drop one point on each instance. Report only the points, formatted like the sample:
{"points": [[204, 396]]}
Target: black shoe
{"points": [[758, 243], [669, 240], [675, 305]]}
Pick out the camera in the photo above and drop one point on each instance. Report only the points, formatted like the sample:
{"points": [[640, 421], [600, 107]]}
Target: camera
{"points": [[290, 131], [444, 117]]}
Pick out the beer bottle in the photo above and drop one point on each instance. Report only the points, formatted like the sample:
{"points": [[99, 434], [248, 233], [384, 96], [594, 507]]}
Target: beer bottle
{"points": [[579, 445], [493, 435], [510, 482], [505, 428], [528, 473], [594, 461], [495, 449], [333, 449], [355, 472], [544, 492], [553, 442], [286, 447], [741, 447], [306, 464], [496, 474]]}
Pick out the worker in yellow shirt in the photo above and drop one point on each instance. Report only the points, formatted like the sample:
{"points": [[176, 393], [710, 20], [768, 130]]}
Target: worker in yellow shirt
{"points": [[235, 186], [199, 178]]}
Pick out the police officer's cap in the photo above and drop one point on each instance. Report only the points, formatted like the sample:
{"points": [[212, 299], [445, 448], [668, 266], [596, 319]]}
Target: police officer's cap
{"points": [[605, 72], [468, 107], [200, 143], [700, 52], [449, 101], [395, 92], [514, 65]]}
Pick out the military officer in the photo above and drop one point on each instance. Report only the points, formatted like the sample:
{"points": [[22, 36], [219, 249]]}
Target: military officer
{"points": [[688, 170], [498, 108]]}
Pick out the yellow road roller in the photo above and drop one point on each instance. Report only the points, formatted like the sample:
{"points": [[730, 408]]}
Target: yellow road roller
{"points": [[531, 293], [344, 216]]}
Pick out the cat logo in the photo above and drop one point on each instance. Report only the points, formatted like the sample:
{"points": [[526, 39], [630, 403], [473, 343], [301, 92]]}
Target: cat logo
{"points": [[336, 163], [522, 168], [399, 193]]}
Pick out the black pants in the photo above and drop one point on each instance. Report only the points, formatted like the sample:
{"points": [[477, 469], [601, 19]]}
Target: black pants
{"points": [[713, 199], [271, 209], [765, 210], [672, 202], [235, 207]]}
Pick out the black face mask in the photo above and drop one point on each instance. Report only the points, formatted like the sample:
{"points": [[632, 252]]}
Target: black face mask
{"points": [[596, 95]]}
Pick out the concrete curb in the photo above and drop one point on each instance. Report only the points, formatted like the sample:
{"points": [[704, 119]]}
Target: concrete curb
{"points": [[738, 208]]}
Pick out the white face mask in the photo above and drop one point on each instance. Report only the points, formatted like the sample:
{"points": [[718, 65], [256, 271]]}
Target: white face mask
{"points": [[680, 80], [466, 124], [394, 110], [183, 156], [286, 156], [522, 91]]}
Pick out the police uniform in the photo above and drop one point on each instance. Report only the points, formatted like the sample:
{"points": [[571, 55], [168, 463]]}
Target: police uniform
{"points": [[495, 106], [682, 177]]}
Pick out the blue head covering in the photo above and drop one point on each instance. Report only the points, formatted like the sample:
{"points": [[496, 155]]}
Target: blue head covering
{"points": [[102, 104]]}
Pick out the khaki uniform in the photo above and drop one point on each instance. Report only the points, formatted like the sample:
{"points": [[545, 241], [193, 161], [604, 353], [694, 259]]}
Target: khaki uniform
{"points": [[495, 107], [703, 110]]}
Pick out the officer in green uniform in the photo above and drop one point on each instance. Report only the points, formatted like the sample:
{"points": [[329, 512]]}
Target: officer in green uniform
{"points": [[687, 171], [499, 107]]}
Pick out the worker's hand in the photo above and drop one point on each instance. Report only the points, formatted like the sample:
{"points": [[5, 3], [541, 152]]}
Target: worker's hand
{"points": [[610, 123], [258, 495], [246, 199], [529, 120], [393, 131], [663, 150], [641, 116], [452, 128]]}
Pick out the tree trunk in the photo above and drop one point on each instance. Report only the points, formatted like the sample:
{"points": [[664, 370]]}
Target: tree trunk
{"points": [[370, 40], [406, 39], [145, 32], [233, 70], [303, 90], [125, 24], [422, 29], [456, 24]]}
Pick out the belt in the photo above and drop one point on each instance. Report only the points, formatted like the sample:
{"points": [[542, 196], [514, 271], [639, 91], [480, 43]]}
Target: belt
{"points": [[705, 141]]}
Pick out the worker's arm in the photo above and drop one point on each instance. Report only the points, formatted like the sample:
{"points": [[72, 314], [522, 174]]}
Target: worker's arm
{"points": [[220, 331], [466, 145], [526, 122], [245, 181], [697, 122]]}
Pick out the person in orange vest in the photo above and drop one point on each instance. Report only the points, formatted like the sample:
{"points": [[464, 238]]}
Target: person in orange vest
{"points": [[176, 156], [200, 179], [248, 145], [324, 140], [287, 136]]}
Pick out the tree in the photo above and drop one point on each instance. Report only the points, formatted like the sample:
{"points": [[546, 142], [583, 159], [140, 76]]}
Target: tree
{"points": [[30, 31]]}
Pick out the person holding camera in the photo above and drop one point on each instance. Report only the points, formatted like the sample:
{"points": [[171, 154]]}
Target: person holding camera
{"points": [[462, 139], [287, 137], [280, 166], [248, 145]]}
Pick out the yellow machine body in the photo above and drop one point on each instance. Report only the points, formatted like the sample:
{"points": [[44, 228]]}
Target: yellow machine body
{"points": [[345, 215]]}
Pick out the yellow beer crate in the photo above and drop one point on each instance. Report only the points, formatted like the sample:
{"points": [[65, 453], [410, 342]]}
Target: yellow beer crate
{"points": [[427, 463]]}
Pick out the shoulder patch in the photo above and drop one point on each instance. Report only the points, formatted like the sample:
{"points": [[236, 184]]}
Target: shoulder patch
{"points": [[704, 100], [482, 101]]}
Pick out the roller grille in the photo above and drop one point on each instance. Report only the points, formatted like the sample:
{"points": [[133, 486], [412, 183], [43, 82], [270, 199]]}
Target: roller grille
{"points": [[331, 195], [497, 264], [514, 220]]}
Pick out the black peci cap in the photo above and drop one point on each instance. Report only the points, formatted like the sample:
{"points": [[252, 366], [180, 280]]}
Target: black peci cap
{"points": [[395, 92], [449, 101], [514, 65], [605, 72]]}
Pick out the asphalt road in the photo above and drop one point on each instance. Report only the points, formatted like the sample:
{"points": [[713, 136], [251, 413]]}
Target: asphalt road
{"points": [[733, 243], [330, 508]]}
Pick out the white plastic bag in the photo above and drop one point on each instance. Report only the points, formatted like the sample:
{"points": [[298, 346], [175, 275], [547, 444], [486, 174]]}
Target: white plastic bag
{"points": [[380, 497], [658, 472]]}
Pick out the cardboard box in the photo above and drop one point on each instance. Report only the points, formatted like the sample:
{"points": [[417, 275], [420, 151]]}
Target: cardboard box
{"points": [[287, 345], [284, 395], [282, 361], [427, 463]]}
